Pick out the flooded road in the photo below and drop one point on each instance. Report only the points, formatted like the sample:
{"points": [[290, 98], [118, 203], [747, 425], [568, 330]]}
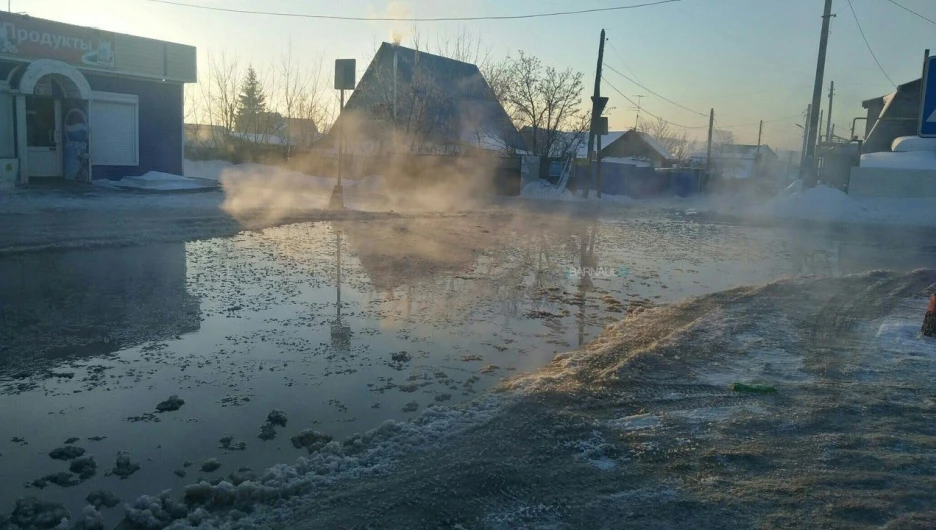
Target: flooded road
{"points": [[339, 325]]}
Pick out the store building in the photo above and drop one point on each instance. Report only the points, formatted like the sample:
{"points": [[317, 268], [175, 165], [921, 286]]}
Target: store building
{"points": [[78, 103]]}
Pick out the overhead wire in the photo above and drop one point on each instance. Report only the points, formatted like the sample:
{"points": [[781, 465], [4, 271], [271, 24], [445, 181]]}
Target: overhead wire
{"points": [[621, 58], [413, 19], [850, 6], [664, 98], [644, 110], [905, 8]]}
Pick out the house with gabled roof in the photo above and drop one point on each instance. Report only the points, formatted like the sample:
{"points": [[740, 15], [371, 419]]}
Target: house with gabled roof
{"points": [[411, 101], [637, 145]]}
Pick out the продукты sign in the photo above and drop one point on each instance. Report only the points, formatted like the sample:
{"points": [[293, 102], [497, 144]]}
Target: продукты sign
{"points": [[33, 38]]}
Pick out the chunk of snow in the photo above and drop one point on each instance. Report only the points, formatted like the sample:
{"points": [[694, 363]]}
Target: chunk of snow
{"points": [[903, 160], [905, 144]]}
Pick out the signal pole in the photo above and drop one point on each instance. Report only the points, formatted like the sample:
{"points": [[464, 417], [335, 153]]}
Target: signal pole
{"points": [[810, 173]]}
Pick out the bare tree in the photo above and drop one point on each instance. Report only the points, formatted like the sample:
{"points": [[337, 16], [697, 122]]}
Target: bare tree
{"points": [[678, 144], [546, 100], [219, 95]]}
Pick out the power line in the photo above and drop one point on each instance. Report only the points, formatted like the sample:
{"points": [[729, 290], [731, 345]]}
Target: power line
{"points": [[850, 6], [644, 109], [621, 58], [392, 19], [905, 8], [654, 93], [758, 122]]}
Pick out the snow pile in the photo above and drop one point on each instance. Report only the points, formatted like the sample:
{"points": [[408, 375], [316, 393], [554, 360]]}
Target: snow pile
{"points": [[823, 203], [372, 452], [906, 144], [902, 160], [541, 189], [157, 181], [820, 203]]}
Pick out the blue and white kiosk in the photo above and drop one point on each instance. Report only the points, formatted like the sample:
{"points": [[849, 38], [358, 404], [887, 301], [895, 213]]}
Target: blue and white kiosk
{"points": [[79, 103]]}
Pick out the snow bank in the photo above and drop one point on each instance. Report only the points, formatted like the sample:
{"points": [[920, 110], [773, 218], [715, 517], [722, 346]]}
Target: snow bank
{"points": [[157, 181], [541, 189], [823, 203], [820, 203], [283, 487], [905, 144], [902, 160]]}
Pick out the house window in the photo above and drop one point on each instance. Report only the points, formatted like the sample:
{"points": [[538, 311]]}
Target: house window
{"points": [[115, 130]]}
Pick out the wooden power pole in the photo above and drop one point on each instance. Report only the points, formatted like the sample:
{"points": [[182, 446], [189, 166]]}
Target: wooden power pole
{"points": [[598, 105], [760, 132], [811, 173], [802, 160], [708, 156]]}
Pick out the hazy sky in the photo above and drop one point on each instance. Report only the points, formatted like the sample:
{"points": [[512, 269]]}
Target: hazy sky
{"points": [[749, 59]]}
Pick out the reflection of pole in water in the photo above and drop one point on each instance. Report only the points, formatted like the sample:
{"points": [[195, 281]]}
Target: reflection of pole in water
{"points": [[340, 334], [587, 261], [338, 253]]}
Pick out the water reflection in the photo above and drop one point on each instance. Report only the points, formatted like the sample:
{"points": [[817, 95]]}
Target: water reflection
{"points": [[95, 302], [340, 332]]}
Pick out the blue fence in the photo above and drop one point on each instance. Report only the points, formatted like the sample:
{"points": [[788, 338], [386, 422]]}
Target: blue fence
{"points": [[639, 182]]}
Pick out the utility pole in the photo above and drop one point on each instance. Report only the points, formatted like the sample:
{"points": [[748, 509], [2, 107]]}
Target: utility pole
{"points": [[810, 173], [819, 135], [828, 127], [802, 162], [598, 163], [760, 131], [598, 104], [708, 156]]}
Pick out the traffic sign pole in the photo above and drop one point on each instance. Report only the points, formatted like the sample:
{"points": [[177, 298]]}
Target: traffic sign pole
{"points": [[927, 125]]}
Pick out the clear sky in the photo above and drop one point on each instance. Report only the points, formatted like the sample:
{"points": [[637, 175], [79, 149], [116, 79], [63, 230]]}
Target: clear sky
{"points": [[749, 59]]}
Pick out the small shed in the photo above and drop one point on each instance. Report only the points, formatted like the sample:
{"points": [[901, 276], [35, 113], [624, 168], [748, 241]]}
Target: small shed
{"points": [[637, 145]]}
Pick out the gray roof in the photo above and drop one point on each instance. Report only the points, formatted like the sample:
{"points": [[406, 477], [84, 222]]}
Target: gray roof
{"points": [[453, 100], [656, 146]]}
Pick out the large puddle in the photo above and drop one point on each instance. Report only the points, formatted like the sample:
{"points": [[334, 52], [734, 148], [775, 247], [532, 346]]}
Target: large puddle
{"points": [[339, 325]]}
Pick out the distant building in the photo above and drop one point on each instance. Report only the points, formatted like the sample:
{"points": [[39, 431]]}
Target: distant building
{"points": [[638, 146], [739, 161], [892, 116], [412, 101]]}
